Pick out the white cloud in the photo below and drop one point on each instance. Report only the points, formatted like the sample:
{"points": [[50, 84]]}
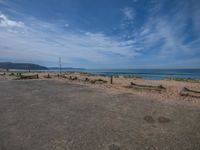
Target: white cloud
{"points": [[167, 37], [5, 22], [129, 13], [44, 41], [163, 38]]}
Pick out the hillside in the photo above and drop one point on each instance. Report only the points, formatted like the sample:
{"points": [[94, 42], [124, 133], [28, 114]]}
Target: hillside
{"points": [[26, 66]]}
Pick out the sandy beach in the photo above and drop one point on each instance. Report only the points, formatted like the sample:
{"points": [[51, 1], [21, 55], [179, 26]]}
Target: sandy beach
{"points": [[121, 85]]}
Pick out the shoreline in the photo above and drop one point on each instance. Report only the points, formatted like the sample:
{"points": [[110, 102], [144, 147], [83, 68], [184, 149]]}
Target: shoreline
{"points": [[122, 85], [147, 74]]}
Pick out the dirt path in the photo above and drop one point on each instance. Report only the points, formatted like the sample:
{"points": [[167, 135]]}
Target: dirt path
{"points": [[50, 115]]}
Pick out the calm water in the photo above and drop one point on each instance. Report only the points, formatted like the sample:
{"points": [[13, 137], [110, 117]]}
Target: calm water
{"points": [[152, 74]]}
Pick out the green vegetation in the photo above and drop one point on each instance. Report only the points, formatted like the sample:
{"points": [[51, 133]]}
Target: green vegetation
{"points": [[184, 79]]}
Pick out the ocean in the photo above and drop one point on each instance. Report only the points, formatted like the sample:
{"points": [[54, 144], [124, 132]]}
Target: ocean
{"points": [[150, 74]]}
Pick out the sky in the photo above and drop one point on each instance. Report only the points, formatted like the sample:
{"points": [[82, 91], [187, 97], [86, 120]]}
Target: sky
{"points": [[101, 34]]}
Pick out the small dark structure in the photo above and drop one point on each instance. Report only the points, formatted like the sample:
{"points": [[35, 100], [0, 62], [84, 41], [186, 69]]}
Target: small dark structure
{"points": [[47, 76], [73, 78], [111, 79]]}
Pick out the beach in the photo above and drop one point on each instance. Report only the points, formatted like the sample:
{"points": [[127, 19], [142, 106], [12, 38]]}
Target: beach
{"points": [[121, 84]]}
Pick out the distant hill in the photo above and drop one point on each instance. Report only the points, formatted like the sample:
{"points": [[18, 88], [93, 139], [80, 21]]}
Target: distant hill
{"points": [[26, 66]]}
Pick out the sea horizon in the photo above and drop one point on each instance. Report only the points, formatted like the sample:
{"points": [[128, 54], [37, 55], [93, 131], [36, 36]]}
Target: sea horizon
{"points": [[150, 74]]}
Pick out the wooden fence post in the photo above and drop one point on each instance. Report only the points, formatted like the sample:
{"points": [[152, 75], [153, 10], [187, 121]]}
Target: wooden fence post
{"points": [[111, 79]]}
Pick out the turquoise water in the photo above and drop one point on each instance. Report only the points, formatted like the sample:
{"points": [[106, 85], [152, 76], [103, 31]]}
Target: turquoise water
{"points": [[151, 74]]}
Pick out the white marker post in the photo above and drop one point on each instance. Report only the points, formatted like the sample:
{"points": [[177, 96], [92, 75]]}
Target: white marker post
{"points": [[60, 65]]}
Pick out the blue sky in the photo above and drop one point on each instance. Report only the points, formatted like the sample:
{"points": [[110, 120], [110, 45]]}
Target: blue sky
{"points": [[101, 33]]}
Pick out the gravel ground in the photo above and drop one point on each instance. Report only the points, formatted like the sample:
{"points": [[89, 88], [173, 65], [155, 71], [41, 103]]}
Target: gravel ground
{"points": [[53, 115]]}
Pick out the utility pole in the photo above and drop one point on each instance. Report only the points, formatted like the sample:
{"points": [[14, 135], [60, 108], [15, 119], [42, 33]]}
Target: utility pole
{"points": [[60, 64]]}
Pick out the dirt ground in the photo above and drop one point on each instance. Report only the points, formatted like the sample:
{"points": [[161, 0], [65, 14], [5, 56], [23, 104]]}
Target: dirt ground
{"points": [[54, 115]]}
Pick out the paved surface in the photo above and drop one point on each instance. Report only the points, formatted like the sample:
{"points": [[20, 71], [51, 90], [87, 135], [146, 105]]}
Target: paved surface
{"points": [[49, 115]]}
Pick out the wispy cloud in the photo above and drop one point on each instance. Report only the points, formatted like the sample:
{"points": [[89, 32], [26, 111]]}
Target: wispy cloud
{"points": [[147, 33], [168, 39], [129, 13], [167, 36], [5, 22], [44, 41]]}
